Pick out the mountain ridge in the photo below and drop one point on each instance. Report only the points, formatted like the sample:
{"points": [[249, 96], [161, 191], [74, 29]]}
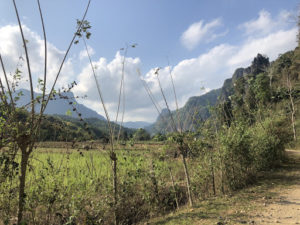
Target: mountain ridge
{"points": [[61, 106], [197, 108]]}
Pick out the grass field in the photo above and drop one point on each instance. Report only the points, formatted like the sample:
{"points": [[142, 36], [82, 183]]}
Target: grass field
{"points": [[74, 186], [68, 186]]}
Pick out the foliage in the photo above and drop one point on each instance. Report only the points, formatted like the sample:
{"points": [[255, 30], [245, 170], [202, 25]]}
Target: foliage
{"points": [[67, 187], [141, 135], [159, 137]]}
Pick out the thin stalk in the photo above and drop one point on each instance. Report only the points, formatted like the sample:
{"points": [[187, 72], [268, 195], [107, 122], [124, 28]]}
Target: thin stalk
{"points": [[22, 179], [28, 63], [175, 96], [2, 94], [115, 186], [45, 53], [120, 90], [220, 159], [65, 57], [99, 90], [289, 85], [173, 185], [212, 175], [154, 181], [181, 147], [123, 112], [7, 83], [38, 122], [164, 97], [113, 156], [187, 176], [151, 96]]}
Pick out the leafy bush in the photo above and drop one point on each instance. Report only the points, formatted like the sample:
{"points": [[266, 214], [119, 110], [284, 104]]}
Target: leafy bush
{"points": [[267, 142], [235, 155]]}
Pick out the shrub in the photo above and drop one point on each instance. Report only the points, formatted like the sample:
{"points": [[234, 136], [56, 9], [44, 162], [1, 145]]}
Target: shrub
{"points": [[268, 141]]}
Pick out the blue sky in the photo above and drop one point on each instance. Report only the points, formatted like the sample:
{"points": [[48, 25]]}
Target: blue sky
{"points": [[203, 40]]}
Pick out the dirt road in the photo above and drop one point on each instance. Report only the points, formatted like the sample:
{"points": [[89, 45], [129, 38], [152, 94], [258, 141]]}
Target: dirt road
{"points": [[274, 199], [284, 207]]}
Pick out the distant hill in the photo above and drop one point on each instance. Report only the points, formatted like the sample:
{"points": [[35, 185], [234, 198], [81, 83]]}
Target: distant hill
{"points": [[196, 109], [97, 128], [61, 123], [61, 106], [136, 124]]}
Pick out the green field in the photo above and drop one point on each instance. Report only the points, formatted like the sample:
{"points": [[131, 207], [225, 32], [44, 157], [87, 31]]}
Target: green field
{"points": [[68, 186]]}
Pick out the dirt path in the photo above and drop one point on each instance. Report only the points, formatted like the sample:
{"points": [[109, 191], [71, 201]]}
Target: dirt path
{"points": [[285, 210], [285, 207], [274, 199]]}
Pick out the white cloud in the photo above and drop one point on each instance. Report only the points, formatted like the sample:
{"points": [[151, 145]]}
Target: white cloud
{"points": [[199, 31], [12, 51], [270, 45], [109, 75], [208, 70], [83, 54], [264, 24], [189, 76]]}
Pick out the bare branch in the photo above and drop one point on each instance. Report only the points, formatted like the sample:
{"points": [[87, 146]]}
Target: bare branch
{"points": [[65, 56], [45, 48], [151, 96], [27, 60], [120, 94], [7, 84], [100, 94], [38, 122], [164, 97], [175, 96]]}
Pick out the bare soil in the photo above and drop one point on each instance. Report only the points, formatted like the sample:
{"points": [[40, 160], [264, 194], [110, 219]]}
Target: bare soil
{"points": [[284, 208]]}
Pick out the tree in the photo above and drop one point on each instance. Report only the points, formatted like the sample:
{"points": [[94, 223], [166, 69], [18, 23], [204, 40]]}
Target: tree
{"points": [[159, 137], [21, 129], [287, 68], [141, 135]]}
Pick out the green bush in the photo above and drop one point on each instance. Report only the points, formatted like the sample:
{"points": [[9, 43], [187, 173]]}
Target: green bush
{"points": [[235, 155], [268, 141]]}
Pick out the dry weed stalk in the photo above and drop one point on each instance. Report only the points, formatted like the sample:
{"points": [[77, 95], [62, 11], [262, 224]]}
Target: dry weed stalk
{"points": [[178, 131]]}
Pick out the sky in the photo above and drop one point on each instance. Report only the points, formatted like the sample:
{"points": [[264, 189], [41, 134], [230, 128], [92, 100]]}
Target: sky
{"points": [[201, 42]]}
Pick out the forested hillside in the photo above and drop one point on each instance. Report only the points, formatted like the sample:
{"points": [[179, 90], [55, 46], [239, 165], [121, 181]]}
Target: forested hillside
{"points": [[194, 112], [66, 128], [262, 86]]}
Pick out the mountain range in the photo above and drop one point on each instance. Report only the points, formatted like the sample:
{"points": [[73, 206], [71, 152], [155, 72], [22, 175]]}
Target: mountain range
{"points": [[61, 106], [196, 109]]}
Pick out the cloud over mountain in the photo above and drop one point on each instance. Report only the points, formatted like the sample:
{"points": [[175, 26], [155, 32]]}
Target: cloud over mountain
{"points": [[208, 69]]}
